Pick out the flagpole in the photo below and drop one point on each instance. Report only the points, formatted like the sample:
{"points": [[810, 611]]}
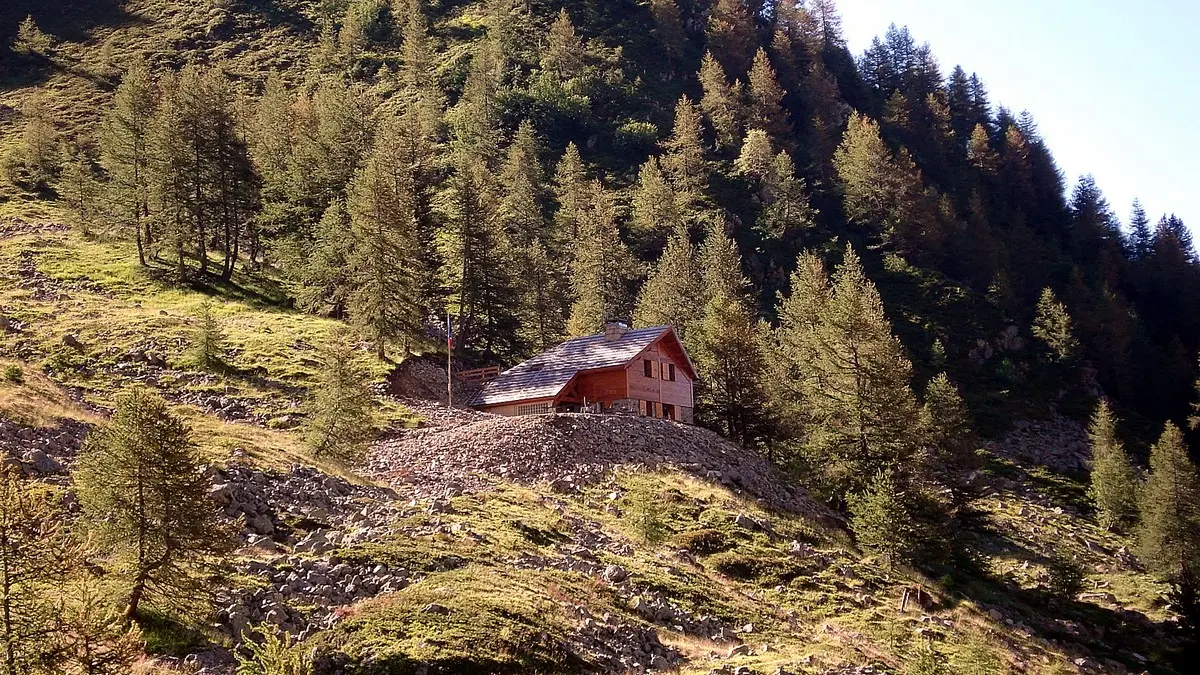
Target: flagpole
{"points": [[449, 353]]}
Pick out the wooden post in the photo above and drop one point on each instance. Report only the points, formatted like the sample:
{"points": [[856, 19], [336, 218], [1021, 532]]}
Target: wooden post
{"points": [[449, 363]]}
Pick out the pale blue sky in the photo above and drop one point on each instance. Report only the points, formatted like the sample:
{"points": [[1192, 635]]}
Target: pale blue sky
{"points": [[1114, 86]]}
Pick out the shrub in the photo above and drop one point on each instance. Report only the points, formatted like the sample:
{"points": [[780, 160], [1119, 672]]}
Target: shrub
{"points": [[644, 512], [275, 655], [14, 373], [882, 522], [927, 662], [702, 542], [208, 340], [757, 568], [636, 137], [1064, 578]]}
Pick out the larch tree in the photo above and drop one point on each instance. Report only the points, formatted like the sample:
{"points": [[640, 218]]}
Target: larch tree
{"points": [[668, 298], [384, 298], [669, 24], [654, 211], [318, 274], [1114, 482], [341, 417], [882, 521], [730, 348], [31, 40], [1052, 325], [720, 102], [732, 35], [601, 270], [39, 142], [37, 552], [145, 495], [684, 159], [950, 439], [522, 214], [765, 109], [570, 192], [1168, 534], [853, 378]]}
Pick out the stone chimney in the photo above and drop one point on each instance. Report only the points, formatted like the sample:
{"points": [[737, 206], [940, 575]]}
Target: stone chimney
{"points": [[614, 330]]}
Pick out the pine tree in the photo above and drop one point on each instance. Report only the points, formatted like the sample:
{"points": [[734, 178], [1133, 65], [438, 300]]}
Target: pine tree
{"points": [[37, 551], [881, 520], [757, 158], [601, 270], [786, 206], [684, 161], [732, 35], [730, 348], [125, 153], [982, 156], [1169, 531], [143, 492], [719, 102], [1052, 325], [863, 165], [563, 58], [31, 40], [341, 419], [384, 297], [318, 273], [1114, 480], [668, 298], [766, 110]]}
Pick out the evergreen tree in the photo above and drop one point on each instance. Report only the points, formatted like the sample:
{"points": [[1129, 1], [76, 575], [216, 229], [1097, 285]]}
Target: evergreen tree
{"points": [[479, 260], [125, 153], [1114, 480], [318, 273], [732, 35], [766, 110], [719, 102], [668, 298], [143, 492], [684, 161], [94, 635], [1169, 531], [1141, 239], [563, 58], [570, 191], [863, 165], [1052, 326], [730, 348], [341, 419], [757, 156], [881, 520], [601, 270]]}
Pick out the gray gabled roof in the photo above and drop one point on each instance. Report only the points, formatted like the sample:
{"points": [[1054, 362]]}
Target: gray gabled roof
{"points": [[547, 374]]}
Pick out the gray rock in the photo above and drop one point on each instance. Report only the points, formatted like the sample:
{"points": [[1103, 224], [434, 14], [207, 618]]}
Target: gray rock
{"points": [[615, 574], [41, 462], [261, 524]]}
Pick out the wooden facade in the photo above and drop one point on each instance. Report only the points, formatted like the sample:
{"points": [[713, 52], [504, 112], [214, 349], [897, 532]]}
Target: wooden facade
{"points": [[650, 375]]}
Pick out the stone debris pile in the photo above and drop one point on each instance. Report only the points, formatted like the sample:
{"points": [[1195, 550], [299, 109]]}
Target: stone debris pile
{"points": [[571, 450], [300, 595], [1059, 444], [42, 452], [303, 507]]}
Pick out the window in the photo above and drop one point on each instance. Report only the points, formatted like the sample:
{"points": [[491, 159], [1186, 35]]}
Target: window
{"points": [[668, 411], [671, 371], [642, 408], [533, 409], [648, 367]]}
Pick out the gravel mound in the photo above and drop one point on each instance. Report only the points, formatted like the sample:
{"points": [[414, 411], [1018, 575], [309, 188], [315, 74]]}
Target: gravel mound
{"points": [[569, 450], [1059, 444]]}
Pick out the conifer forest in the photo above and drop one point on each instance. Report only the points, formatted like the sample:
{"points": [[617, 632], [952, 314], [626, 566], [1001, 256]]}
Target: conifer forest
{"points": [[948, 395]]}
